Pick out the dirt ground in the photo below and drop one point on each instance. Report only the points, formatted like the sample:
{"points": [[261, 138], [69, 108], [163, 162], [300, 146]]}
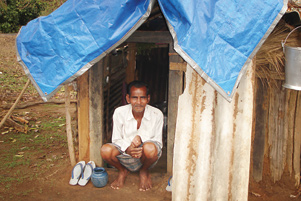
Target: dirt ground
{"points": [[50, 180], [35, 165]]}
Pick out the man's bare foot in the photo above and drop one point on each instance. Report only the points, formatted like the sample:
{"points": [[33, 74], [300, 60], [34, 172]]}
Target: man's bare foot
{"points": [[145, 181], [119, 181]]}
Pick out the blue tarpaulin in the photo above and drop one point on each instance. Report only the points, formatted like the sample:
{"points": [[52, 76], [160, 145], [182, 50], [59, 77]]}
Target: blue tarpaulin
{"points": [[218, 38]]}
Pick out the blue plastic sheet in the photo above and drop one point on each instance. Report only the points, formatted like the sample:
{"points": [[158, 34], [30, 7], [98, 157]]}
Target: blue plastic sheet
{"points": [[218, 38], [56, 49]]}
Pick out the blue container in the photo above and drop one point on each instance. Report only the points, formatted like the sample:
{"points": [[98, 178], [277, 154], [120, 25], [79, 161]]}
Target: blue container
{"points": [[99, 177]]}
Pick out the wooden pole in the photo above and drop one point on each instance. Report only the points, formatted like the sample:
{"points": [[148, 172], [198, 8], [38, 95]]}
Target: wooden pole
{"points": [[175, 88], [68, 127], [130, 69], [96, 112], [83, 117], [15, 104], [297, 141]]}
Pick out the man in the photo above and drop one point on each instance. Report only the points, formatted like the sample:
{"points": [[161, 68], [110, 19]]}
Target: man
{"points": [[137, 137]]}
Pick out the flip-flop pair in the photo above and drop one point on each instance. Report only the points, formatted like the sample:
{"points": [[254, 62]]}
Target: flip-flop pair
{"points": [[81, 173]]}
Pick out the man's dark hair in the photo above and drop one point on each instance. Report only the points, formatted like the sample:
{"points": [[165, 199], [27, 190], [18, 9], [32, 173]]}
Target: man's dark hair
{"points": [[137, 84]]}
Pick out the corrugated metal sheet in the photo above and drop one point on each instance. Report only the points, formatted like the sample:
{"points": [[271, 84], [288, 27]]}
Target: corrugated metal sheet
{"points": [[213, 141]]}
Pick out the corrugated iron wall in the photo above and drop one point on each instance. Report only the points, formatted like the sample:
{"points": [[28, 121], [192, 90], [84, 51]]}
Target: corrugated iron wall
{"points": [[213, 141]]}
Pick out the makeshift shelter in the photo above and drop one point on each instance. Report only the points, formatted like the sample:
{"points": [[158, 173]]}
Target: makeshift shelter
{"points": [[213, 136]]}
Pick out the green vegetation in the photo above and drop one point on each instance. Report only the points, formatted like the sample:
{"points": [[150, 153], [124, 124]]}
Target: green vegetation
{"points": [[16, 13], [24, 148]]}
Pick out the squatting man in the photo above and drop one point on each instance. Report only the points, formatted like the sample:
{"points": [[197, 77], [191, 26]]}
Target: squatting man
{"points": [[136, 138]]}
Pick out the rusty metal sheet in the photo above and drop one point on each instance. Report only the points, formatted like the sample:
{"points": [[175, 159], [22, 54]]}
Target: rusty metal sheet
{"points": [[213, 141]]}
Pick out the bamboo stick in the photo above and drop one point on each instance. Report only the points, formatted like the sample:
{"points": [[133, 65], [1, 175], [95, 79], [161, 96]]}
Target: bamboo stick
{"points": [[15, 104]]}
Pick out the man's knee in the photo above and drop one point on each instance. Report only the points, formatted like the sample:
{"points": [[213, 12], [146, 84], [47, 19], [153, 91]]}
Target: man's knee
{"points": [[106, 151], [150, 150]]}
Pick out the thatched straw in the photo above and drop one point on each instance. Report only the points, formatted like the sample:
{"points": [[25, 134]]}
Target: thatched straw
{"points": [[270, 58]]}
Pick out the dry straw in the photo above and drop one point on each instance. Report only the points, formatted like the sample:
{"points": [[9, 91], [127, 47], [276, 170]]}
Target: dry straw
{"points": [[270, 58]]}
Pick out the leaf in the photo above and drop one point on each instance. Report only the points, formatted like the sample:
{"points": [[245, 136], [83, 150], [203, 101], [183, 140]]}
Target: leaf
{"points": [[5, 132]]}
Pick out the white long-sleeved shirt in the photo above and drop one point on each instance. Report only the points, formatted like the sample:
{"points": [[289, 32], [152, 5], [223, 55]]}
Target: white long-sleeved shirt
{"points": [[125, 126]]}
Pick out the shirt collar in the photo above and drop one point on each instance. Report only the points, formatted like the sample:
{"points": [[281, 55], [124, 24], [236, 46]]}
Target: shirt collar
{"points": [[146, 114]]}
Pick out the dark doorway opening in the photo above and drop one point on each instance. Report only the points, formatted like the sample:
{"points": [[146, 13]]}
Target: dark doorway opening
{"points": [[152, 67]]}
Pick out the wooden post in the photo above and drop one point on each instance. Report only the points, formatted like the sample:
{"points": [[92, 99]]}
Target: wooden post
{"points": [[276, 137], [83, 116], [260, 129], [96, 111], [175, 88], [68, 127], [291, 102], [297, 141], [130, 70]]}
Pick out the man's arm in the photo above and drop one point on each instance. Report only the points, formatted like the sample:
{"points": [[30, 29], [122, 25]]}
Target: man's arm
{"points": [[154, 132], [159, 129], [117, 137]]}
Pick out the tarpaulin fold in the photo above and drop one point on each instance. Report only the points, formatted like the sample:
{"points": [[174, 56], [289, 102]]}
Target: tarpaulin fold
{"points": [[218, 38], [56, 49]]}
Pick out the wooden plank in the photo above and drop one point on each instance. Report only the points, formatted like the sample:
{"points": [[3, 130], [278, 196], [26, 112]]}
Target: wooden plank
{"points": [[175, 88], [96, 111], [108, 100], [150, 37], [261, 114], [266, 146], [271, 128], [281, 138], [277, 140], [272, 131], [290, 126], [297, 141], [130, 69], [177, 66], [68, 127], [83, 116]]}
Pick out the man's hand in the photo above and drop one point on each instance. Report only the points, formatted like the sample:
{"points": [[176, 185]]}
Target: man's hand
{"points": [[134, 150], [136, 141]]}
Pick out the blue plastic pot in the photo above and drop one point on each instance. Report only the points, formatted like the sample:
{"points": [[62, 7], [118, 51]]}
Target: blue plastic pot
{"points": [[99, 177]]}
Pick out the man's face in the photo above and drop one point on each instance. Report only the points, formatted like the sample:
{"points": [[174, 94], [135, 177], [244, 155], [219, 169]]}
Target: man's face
{"points": [[138, 99]]}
